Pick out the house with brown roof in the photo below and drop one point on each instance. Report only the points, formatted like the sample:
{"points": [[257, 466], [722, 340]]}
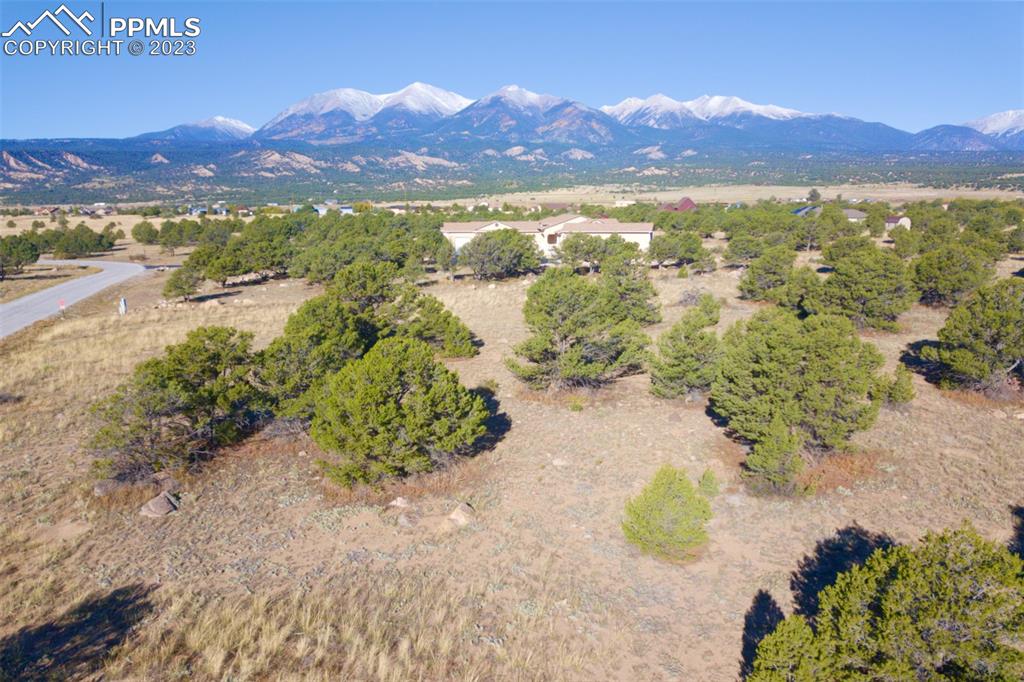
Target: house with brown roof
{"points": [[549, 232], [894, 220], [684, 205]]}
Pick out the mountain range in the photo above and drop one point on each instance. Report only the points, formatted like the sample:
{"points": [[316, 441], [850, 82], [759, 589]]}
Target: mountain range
{"points": [[513, 114], [427, 138]]}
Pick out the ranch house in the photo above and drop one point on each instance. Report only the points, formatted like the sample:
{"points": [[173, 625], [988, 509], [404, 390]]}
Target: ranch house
{"points": [[549, 232]]}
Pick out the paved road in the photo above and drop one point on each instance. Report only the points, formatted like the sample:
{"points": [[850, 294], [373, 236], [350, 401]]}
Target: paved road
{"points": [[21, 312]]}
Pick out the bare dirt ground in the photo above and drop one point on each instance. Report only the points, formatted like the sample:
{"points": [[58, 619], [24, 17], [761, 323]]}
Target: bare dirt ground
{"points": [[546, 539], [38, 277], [896, 193]]}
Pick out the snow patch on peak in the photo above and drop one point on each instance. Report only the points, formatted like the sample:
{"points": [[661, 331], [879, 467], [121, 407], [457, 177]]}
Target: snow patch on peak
{"points": [[1003, 123], [707, 107], [523, 98], [717, 106], [423, 98], [232, 126]]}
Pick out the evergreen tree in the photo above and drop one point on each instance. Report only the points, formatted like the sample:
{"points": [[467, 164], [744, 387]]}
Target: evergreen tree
{"points": [[500, 254], [687, 354], [774, 461], [870, 286], [395, 412], [183, 282], [579, 249], [667, 518], [951, 608], [982, 342], [577, 339], [815, 374], [947, 274], [768, 272]]}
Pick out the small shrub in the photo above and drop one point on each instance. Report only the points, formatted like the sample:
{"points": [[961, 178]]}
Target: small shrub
{"points": [[667, 518], [708, 483], [901, 389], [775, 462], [576, 403]]}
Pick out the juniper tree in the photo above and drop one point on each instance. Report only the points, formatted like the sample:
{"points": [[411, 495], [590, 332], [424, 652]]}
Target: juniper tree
{"points": [[951, 608], [947, 274], [394, 412], [500, 254], [815, 374], [870, 286], [200, 395]]}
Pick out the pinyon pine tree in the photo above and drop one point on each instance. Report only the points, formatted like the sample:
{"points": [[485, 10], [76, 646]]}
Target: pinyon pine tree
{"points": [[982, 342], [687, 353], [577, 338], [768, 272]]}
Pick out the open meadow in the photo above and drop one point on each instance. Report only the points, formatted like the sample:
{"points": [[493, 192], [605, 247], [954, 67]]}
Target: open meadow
{"points": [[537, 582]]}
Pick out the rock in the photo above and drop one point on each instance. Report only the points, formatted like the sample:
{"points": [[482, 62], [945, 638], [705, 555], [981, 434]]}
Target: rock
{"points": [[462, 515], [559, 462], [492, 285], [165, 482], [248, 301], [161, 505], [1019, 415], [108, 486], [212, 303], [400, 503]]}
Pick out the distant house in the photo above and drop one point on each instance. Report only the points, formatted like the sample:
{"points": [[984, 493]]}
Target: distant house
{"points": [[556, 206], [894, 220], [622, 203], [684, 205], [852, 214], [346, 209], [47, 210], [549, 232], [198, 210]]}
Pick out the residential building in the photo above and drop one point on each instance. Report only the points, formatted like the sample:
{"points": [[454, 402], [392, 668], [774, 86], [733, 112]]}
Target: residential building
{"points": [[549, 232], [894, 220], [684, 205]]}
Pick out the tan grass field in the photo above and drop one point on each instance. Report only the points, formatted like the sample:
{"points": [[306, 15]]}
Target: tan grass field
{"points": [[895, 193], [269, 572], [38, 277]]}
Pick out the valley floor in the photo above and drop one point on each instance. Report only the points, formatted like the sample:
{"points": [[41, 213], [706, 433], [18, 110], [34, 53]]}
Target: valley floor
{"points": [[552, 579]]}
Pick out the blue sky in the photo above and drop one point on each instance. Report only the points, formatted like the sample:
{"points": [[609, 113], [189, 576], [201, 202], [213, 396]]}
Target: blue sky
{"points": [[908, 64]]}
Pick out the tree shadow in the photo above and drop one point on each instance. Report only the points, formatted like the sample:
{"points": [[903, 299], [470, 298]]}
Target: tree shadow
{"points": [[75, 644], [498, 423], [849, 547], [911, 357], [1017, 541], [202, 298], [761, 619]]}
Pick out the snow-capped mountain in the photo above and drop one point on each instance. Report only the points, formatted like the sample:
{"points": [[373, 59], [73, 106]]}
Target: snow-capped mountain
{"points": [[515, 115], [661, 111], [1003, 123], [215, 129], [1005, 126], [338, 115]]}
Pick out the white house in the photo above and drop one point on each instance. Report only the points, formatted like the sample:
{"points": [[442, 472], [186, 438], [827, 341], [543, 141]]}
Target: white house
{"points": [[894, 220], [549, 232]]}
